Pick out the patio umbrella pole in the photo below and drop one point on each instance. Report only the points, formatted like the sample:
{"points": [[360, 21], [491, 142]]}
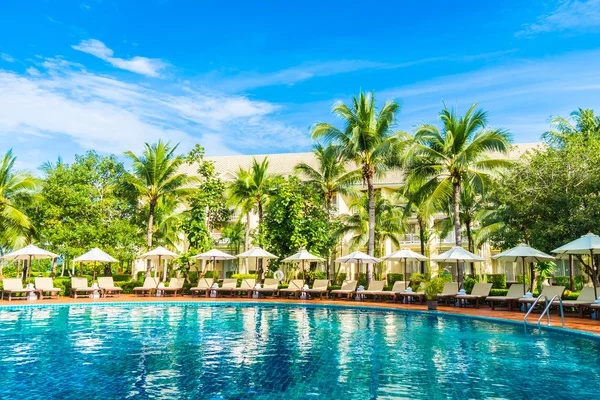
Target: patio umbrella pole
{"points": [[405, 262], [458, 273], [593, 273], [524, 284], [29, 271]]}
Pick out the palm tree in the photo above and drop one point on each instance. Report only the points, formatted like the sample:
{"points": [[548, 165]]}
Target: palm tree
{"points": [[250, 191], [582, 121], [369, 141], [460, 153], [18, 190], [156, 176], [330, 176]]}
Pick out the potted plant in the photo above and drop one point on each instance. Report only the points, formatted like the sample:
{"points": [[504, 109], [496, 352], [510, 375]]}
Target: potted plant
{"points": [[433, 287]]}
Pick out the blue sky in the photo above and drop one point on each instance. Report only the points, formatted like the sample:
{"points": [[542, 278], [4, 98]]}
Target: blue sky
{"points": [[251, 77]]}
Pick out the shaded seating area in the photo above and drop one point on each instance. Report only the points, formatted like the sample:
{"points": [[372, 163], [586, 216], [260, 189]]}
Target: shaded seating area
{"points": [[79, 286], [46, 289], [374, 289], [148, 287], [294, 288], [175, 287], [515, 292], [347, 290], [585, 299], [13, 289], [108, 287], [246, 287], [479, 293], [319, 288], [450, 292], [229, 286], [269, 287], [410, 295]]}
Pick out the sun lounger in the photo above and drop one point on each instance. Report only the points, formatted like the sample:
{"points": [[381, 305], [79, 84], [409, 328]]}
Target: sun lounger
{"points": [[450, 291], [13, 286], [175, 286], [271, 286], [147, 288], [374, 288], [108, 287], [548, 291], [247, 287], [203, 286], [294, 288], [410, 294], [348, 289], [80, 285], [45, 285], [515, 292], [319, 288], [228, 286], [480, 292], [585, 299]]}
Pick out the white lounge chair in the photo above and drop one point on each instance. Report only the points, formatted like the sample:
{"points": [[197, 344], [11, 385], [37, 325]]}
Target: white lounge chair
{"points": [[175, 286], [271, 286], [247, 287], [585, 299], [294, 287], [108, 286], [148, 287], [450, 291], [80, 285], [515, 292], [203, 286], [348, 289], [46, 285], [228, 286], [319, 288], [13, 286], [374, 289], [480, 292]]}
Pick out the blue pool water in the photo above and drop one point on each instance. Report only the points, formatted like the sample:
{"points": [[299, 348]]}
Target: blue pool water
{"points": [[192, 351]]}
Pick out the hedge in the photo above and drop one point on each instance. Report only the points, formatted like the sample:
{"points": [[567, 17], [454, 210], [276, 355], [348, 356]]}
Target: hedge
{"points": [[393, 278], [498, 292], [340, 279], [566, 281], [521, 280], [498, 281], [121, 277], [241, 277]]}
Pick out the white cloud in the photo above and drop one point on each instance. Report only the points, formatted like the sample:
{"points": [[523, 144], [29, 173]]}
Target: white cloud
{"points": [[33, 71], [64, 102], [568, 15], [7, 57], [142, 65]]}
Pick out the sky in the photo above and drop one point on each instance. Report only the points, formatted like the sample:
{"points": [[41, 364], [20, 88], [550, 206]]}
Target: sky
{"points": [[252, 77]]}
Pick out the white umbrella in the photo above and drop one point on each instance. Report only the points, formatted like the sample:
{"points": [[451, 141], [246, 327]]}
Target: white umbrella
{"points": [[159, 254], [257, 252], [587, 244], [457, 253], [301, 257], [95, 255], [214, 255], [358, 257], [405, 255], [30, 253], [525, 254]]}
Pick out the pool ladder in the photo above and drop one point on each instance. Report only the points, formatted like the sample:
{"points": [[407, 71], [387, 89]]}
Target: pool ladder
{"points": [[545, 312]]}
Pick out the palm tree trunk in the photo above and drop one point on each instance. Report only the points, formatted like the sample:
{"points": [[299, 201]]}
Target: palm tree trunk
{"points": [[456, 204], [371, 244], [259, 267], [247, 240], [422, 240], [150, 230], [469, 243]]}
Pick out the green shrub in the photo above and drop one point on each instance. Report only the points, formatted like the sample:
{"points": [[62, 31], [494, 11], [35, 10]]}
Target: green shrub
{"points": [[498, 292], [334, 287], [446, 277], [433, 288], [566, 281], [362, 280], [241, 277], [393, 278], [312, 275], [271, 274], [121, 277], [129, 285], [521, 279], [498, 281], [283, 286], [568, 295], [468, 284], [64, 283], [341, 277]]}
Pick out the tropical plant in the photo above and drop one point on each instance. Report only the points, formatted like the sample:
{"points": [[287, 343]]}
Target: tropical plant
{"points": [[582, 122], [156, 175], [17, 191], [458, 154], [433, 287], [330, 176], [367, 139], [389, 222]]}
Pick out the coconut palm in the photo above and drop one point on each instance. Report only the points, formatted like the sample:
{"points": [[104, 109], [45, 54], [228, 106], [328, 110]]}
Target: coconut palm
{"points": [[444, 160], [582, 121], [18, 190], [369, 141], [155, 176], [330, 176]]}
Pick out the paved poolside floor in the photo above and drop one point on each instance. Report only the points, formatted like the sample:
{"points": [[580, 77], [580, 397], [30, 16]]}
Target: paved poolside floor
{"points": [[586, 324]]}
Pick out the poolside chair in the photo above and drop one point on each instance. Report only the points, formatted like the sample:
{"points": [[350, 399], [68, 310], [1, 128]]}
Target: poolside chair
{"points": [[80, 285], [374, 288], [45, 285], [247, 287], [148, 287], [480, 292], [585, 299], [319, 288], [450, 291], [294, 288], [348, 289], [271, 286], [203, 286], [175, 286], [411, 295], [548, 291], [15, 286], [515, 292], [228, 286], [108, 287]]}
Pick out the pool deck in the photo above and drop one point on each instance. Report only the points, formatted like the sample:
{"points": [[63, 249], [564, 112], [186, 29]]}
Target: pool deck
{"points": [[586, 324]]}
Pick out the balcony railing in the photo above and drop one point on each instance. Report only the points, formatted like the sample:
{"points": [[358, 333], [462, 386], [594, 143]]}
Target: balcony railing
{"points": [[413, 238]]}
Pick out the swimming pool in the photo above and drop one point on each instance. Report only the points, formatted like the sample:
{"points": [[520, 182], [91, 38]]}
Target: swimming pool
{"points": [[196, 351]]}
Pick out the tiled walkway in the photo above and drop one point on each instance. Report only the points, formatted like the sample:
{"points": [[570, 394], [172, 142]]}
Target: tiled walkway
{"points": [[571, 321]]}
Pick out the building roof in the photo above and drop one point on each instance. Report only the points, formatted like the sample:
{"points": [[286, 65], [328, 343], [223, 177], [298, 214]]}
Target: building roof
{"points": [[226, 167]]}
